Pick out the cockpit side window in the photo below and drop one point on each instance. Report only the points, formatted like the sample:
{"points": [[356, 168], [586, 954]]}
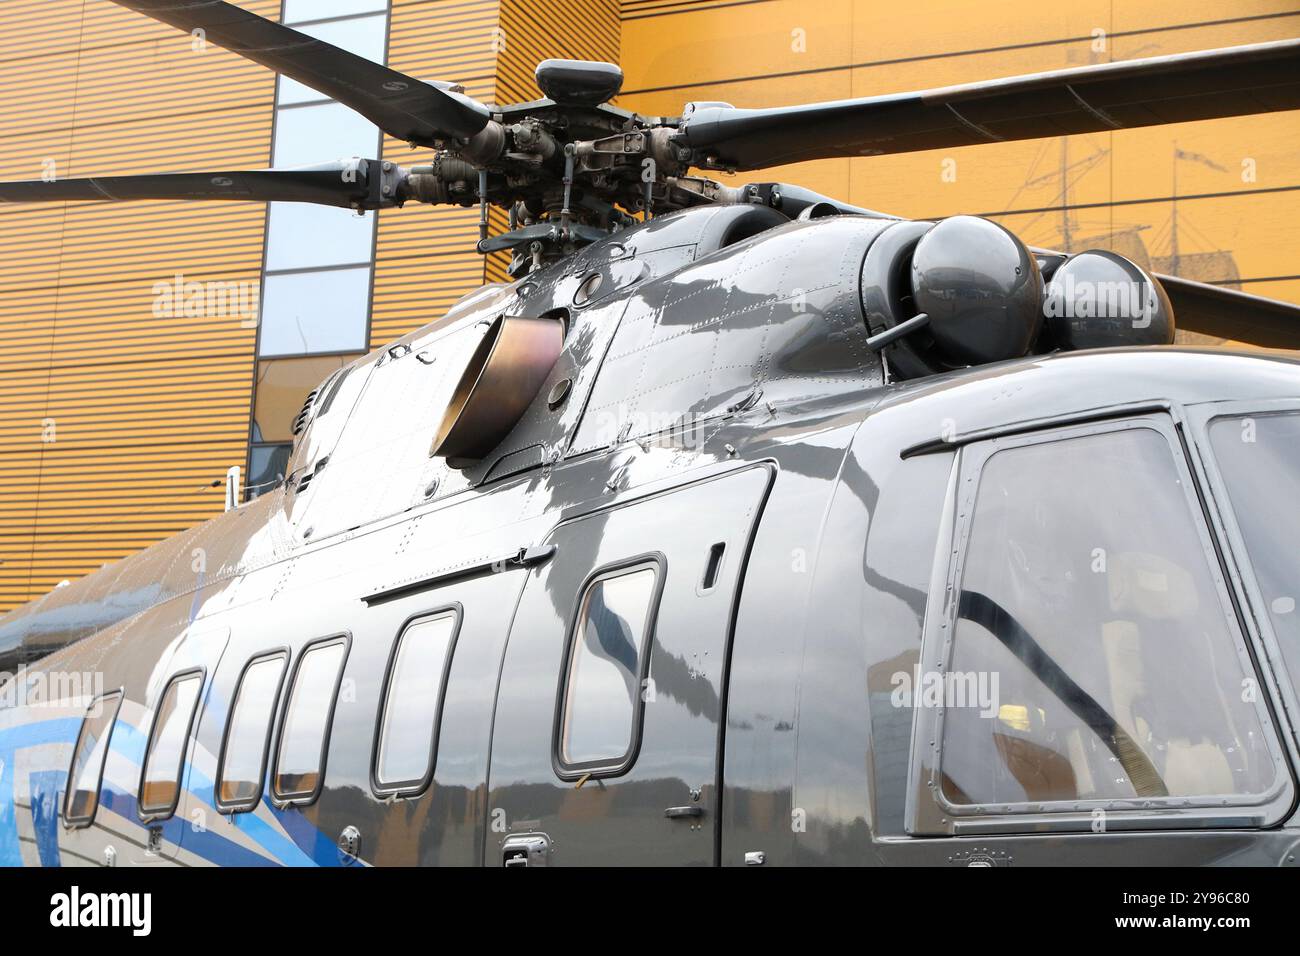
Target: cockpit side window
{"points": [[1259, 458], [1094, 658]]}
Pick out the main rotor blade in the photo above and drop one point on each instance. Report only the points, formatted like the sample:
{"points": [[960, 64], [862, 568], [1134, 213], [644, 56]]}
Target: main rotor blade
{"points": [[355, 184], [1229, 314], [1234, 81], [400, 105]]}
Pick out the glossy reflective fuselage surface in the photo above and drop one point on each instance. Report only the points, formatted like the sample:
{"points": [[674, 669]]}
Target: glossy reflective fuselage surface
{"points": [[724, 439]]}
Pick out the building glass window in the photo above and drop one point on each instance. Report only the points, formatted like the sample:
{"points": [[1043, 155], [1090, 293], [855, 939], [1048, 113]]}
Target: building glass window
{"points": [[1259, 457], [86, 774], [312, 312], [304, 311], [412, 704], [267, 467], [296, 11], [602, 692], [1087, 592], [319, 261], [364, 36], [321, 133], [160, 781], [243, 756], [303, 236], [304, 735]]}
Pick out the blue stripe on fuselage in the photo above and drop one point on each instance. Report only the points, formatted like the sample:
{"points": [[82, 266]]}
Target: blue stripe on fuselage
{"points": [[46, 786], [304, 846], [13, 739]]}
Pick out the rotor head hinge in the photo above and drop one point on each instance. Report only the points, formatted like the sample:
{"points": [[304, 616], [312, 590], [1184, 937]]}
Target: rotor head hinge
{"points": [[383, 183], [387, 185], [610, 151], [444, 181], [693, 190], [532, 144]]}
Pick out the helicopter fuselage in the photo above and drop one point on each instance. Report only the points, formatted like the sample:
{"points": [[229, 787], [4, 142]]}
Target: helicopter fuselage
{"points": [[710, 601]]}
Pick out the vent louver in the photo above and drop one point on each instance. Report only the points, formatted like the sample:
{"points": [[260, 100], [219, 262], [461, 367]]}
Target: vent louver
{"points": [[301, 419], [306, 478]]}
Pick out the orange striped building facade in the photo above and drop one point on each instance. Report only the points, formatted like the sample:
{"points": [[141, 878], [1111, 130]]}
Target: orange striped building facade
{"points": [[145, 347]]}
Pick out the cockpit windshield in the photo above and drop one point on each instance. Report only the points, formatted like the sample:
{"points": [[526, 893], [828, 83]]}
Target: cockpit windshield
{"points": [[1259, 457]]}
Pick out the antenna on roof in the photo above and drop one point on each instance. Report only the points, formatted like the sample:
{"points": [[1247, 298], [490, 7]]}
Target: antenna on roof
{"points": [[232, 487]]}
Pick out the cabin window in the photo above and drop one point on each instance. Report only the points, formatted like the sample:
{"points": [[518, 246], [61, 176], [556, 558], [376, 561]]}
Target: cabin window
{"points": [[243, 755], [1259, 457], [606, 668], [408, 736], [160, 779], [304, 732], [1094, 654], [86, 774]]}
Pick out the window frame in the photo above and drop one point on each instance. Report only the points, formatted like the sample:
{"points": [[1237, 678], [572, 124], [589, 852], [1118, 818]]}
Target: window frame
{"points": [[232, 808], [160, 815], [602, 768], [928, 812], [82, 823], [307, 798], [1285, 693], [413, 788]]}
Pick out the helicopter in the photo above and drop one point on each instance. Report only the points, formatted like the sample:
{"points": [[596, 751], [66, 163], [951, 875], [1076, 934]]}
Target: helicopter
{"points": [[743, 526]]}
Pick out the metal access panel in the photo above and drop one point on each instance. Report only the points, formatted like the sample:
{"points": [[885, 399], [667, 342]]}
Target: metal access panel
{"points": [[650, 797]]}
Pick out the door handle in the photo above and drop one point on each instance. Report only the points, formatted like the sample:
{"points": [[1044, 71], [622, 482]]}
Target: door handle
{"points": [[528, 849], [672, 813]]}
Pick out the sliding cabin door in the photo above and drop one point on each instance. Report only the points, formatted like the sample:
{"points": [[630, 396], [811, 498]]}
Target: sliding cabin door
{"points": [[609, 716]]}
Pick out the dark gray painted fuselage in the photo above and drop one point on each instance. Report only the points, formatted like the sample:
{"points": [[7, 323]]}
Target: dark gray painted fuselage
{"points": [[721, 392]]}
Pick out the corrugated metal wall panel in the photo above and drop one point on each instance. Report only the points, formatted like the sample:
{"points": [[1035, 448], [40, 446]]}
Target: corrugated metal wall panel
{"points": [[424, 255], [647, 9], [145, 409], [533, 32]]}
